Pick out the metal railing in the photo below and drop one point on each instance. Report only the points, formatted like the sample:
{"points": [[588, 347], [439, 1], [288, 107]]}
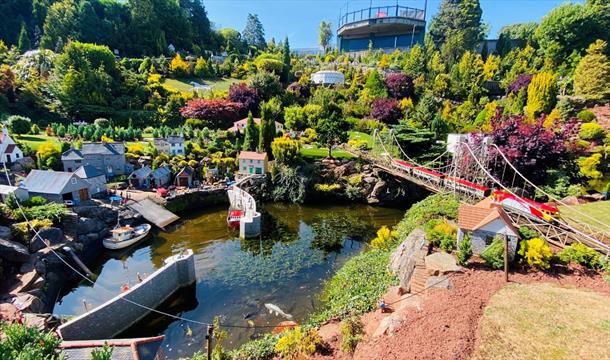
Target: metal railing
{"points": [[382, 12]]}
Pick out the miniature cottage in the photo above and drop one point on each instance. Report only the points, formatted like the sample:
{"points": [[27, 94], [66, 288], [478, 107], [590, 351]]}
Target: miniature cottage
{"points": [[482, 222], [185, 177], [9, 151], [251, 162]]}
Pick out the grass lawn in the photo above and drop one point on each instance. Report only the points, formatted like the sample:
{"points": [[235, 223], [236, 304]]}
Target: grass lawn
{"points": [[315, 153], [355, 135], [182, 85], [34, 141], [545, 321], [599, 210]]}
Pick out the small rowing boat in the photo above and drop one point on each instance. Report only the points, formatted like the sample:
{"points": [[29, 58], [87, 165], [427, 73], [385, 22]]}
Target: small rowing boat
{"points": [[124, 236]]}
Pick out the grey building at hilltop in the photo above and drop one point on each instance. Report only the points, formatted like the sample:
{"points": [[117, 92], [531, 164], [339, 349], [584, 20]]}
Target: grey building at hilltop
{"points": [[108, 158]]}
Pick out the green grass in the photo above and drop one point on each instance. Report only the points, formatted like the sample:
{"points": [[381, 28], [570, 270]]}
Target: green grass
{"points": [[315, 153], [599, 210], [34, 141], [355, 135], [544, 321], [183, 86]]}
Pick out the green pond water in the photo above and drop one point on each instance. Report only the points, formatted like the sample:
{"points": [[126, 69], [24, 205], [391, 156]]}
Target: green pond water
{"points": [[301, 247]]}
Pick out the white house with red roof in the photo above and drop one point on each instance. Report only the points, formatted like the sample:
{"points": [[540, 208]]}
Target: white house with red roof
{"points": [[251, 162], [484, 221], [9, 150]]}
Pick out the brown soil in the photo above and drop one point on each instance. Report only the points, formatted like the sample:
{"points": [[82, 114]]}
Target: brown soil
{"points": [[447, 326]]}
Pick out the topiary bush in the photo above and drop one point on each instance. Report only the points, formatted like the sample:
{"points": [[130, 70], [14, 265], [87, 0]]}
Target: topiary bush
{"points": [[591, 131], [578, 253], [297, 344], [439, 232], [465, 251], [494, 253], [586, 115], [537, 253]]}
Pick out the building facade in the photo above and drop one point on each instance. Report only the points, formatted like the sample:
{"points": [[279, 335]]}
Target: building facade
{"points": [[108, 158], [173, 145], [251, 162], [57, 186], [9, 151], [381, 28]]}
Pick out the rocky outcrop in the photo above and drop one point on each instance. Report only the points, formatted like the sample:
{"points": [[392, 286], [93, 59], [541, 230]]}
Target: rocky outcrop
{"points": [[196, 200], [5, 233], [52, 235], [365, 183], [13, 252], [403, 260], [441, 263]]}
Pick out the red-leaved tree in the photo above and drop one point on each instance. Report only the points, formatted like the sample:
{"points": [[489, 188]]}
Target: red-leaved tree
{"points": [[217, 112], [386, 110], [245, 95], [399, 85], [530, 147]]}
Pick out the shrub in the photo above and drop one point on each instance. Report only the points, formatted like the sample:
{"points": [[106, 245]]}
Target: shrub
{"points": [[386, 111], [286, 150], [104, 353], [35, 201], [399, 85], [385, 238], [439, 232], [352, 331], [179, 68], [245, 95], [259, 349], [586, 115], [536, 252], [358, 144], [580, 254], [21, 231], [591, 131], [435, 206], [527, 233], [20, 341], [465, 251], [521, 82], [494, 253], [297, 344], [368, 125], [327, 187], [218, 112], [19, 125], [541, 94]]}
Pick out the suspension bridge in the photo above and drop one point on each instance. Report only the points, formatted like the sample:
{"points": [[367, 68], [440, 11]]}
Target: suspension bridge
{"points": [[471, 172]]}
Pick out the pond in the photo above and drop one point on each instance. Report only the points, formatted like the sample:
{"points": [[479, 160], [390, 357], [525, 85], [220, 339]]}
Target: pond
{"points": [[301, 246]]}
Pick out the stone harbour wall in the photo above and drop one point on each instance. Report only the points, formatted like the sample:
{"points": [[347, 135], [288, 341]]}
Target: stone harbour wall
{"points": [[116, 315]]}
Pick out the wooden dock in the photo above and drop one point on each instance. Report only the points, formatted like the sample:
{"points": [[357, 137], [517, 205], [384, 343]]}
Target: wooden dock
{"points": [[153, 212]]}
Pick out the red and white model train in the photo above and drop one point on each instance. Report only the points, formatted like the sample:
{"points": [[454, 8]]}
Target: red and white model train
{"points": [[523, 205]]}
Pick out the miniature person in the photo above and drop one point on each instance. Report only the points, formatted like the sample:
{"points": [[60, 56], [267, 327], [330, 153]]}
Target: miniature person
{"points": [[382, 306]]}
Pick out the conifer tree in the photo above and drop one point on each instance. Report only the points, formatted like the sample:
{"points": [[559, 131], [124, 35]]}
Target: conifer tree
{"points": [[592, 75], [24, 43], [251, 134]]}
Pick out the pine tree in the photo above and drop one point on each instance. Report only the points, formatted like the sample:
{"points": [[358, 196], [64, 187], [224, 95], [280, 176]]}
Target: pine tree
{"points": [[592, 75], [541, 94], [251, 134], [285, 78], [266, 131], [253, 33], [24, 40]]}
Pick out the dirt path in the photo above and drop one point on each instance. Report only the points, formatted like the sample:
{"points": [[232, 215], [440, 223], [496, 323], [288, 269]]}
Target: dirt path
{"points": [[447, 324]]}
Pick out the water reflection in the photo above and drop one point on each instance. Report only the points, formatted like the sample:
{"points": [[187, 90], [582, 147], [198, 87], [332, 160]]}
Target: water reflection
{"points": [[301, 247]]}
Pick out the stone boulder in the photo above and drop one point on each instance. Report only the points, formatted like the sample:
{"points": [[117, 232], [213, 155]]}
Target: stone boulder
{"points": [[441, 263], [102, 213], [90, 225], [5, 233], [12, 251], [438, 282], [408, 253], [389, 324], [52, 235]]}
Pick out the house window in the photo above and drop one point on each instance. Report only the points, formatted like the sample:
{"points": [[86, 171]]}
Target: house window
{"points": [[251, 161], [73, 180], [488, 240], [17, 156]]}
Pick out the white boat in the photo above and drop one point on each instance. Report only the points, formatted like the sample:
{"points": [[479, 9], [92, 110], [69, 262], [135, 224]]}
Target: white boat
{"points": [[124, 236]]}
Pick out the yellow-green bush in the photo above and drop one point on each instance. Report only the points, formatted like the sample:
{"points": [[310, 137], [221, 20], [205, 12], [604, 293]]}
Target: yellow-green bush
{"points": [[21, 231], [358, 144], [327, 187], [580, 254], [439, 232], [352, 331], [297, 344], [591, 131], [385, 238], [536, 252]]}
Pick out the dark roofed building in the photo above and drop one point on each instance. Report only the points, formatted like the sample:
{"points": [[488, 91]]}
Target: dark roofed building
{"points": [[95, 178], [109, 158], [56, 186], [185, 177]]}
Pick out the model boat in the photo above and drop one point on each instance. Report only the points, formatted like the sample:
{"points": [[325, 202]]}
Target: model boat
{"points": [[233, 218], [124, 236]]}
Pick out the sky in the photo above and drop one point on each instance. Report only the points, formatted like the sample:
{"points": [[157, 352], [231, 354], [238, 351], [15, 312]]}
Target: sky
{"points": [[299, 19]]}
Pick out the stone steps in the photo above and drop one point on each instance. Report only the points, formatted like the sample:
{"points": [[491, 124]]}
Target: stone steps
{"points": [[419, 278]]}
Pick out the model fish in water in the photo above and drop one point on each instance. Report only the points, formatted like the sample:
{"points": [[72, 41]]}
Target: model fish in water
{"points": [[275, 309]]}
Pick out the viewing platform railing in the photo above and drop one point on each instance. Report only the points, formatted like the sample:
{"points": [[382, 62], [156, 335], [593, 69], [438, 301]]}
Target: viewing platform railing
{"points": [[382, 12]]}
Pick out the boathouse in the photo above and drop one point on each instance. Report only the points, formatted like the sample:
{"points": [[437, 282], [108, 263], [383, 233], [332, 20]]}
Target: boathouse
{"points": [[57, 186]]}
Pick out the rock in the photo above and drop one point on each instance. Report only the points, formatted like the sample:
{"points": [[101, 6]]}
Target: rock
{"points": [[102, 213], [52, 235], [90, 225], [389, 324], [8, 312], [410, 301], [408, 253], [571, 200], [438, 282], [12, 251], [29, 303], [369, 180], [5, 233], [441, 263], [375, 195]]}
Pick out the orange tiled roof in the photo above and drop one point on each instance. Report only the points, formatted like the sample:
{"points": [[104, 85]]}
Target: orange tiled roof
{"points": [[251, 155]]}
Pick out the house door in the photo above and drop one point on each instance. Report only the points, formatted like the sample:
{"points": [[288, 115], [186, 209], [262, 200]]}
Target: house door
{"points": [[83, 194], [8, 158]]}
